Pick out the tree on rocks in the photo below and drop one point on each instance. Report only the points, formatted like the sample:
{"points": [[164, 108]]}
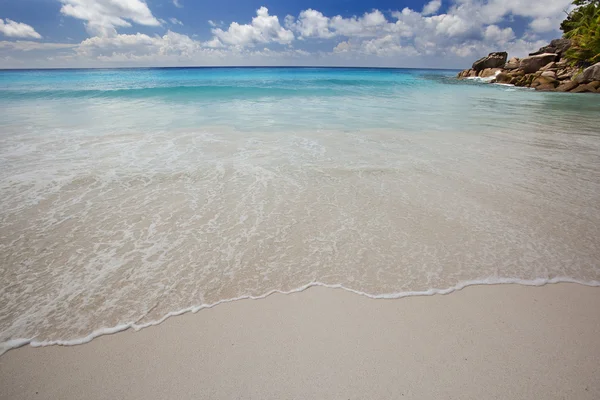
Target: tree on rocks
{"points": [[582, 27]]}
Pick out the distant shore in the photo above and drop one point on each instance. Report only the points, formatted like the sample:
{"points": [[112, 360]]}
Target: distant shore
{"points": [[483, 342]]}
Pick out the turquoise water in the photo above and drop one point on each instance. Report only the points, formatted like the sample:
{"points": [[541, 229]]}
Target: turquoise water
{"points": [[128, 196], [282, 98]]}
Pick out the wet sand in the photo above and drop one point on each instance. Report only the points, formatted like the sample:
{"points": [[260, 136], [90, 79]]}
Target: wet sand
{"points": [[483, 342]]}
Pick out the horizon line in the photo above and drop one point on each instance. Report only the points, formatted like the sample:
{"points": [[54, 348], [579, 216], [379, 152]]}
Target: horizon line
{"points": [[221, 67]]}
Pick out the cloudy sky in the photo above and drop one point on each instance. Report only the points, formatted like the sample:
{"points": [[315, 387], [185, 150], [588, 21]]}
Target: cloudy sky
{"points": [[400, 33]]}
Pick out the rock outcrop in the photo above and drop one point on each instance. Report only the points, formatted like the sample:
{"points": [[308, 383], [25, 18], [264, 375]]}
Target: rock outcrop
{"points": [[486, 73], [584, 89], [590, 74], [513, 63], [533, 64], [543, 70], [493, 60], [557, 46], [567, 86]]}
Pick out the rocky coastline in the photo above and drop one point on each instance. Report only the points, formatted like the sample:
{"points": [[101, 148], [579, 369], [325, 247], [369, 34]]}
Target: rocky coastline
{"points": [[544, 70]]}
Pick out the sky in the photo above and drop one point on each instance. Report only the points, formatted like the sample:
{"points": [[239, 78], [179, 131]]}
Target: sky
{"points": [[383, 33]]}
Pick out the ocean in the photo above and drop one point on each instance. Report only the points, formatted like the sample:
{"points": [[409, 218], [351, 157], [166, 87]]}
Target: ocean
{"points": [[131, 195]]}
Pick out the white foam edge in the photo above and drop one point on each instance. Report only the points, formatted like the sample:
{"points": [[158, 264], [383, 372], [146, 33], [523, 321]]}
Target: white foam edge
{"points": [[486, 79], [515, 88], [15, 343]]}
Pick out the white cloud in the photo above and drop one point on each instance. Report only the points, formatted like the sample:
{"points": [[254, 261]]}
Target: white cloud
{"points": [[311, 23], [176, 43], [170, 49], [366, 25], [451, 25], [104, 16], [432, 7], [177, 4], [493, 11], [342, 47], [27, 45], [268, 53], [137, 45], [545, 24], [264, 28], [175, 21], [386, 46], [493, 33], [214, 43], [11, 28], [467, 29], [475, 49]]}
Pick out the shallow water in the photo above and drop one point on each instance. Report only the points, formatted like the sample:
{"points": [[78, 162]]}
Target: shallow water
{"points": [[130, 195]]}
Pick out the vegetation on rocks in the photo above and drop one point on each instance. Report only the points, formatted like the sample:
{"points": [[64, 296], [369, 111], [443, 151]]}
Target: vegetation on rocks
{"points": [[582, 27]]}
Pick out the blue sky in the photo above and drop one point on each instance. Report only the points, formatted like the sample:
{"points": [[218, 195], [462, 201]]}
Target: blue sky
{"points": [[402, 33]]}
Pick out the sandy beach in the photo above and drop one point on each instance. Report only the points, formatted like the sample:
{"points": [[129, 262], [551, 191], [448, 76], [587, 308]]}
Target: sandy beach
{"points": [[483, 342], [296, 200]]}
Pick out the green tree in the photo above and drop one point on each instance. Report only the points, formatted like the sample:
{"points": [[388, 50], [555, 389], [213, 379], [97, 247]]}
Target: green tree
{"points": [[582, 26]]}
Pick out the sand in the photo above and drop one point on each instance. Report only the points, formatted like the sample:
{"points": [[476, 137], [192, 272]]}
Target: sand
{"points": [[483, 342]]}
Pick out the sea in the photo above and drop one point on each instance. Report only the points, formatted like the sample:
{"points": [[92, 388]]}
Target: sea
{"points": [[131, 195]]}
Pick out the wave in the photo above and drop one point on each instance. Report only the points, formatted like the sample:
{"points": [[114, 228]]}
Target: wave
{"points": [[317, 87], [485, 80], [171, 91], [19, 342]]}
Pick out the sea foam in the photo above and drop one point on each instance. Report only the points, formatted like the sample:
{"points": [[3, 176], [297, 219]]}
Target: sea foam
{"points": [[117, 211], [16, 343]]}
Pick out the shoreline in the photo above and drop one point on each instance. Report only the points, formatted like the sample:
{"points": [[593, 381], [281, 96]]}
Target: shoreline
{"points": [[13, 344], [484, 341]]}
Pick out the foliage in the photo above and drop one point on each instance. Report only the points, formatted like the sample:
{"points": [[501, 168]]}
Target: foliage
{"points": [[582, 26]]}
